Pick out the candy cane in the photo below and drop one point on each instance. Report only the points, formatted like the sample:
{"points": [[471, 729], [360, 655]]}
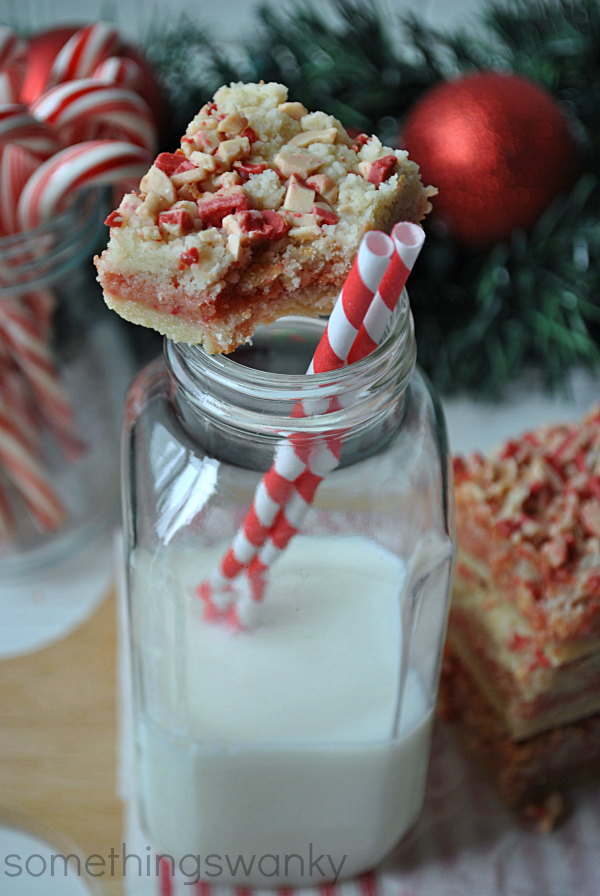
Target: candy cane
{"points": [[16, 167], [41, 303], [17, 404], [120, 70], [83, 52], [9, 42], [26, 473], [6, 518], [30, 351], [87, 164], [19, 127], [75, 107], [12, 64]]}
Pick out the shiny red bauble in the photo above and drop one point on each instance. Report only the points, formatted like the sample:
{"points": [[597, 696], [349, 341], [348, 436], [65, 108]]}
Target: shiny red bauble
{"points": [[497, 147]]}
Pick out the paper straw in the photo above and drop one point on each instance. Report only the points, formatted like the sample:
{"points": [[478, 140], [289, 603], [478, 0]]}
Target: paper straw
{"points": [[286, 493], [408, 240], [371, 262]]}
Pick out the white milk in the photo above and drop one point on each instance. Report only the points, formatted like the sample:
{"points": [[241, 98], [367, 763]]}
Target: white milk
{"points": [[280, 741]]}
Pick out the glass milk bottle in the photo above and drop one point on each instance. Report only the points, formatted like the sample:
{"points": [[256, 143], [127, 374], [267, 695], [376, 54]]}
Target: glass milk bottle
{"points": [[308, 733]]}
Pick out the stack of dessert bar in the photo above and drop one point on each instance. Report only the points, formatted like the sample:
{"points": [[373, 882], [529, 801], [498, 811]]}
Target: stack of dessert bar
{"points": [[522, 672]]}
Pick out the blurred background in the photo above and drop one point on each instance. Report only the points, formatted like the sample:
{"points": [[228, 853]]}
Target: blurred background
{"points": [[228, 20]]}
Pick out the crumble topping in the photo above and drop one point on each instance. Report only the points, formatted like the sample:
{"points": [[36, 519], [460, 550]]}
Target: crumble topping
{"points": [[532, 513], [224, 164], [259, 212]]}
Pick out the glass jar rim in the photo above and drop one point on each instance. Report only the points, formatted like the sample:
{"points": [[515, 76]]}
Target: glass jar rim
{"points": [[264, 401]]}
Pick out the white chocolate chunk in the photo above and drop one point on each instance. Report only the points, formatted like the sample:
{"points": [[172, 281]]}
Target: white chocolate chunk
{"points": [[231, 224], [151, 206], [204, 160], [129, 205], [298, 198], [324, 186], [193, 176], [190, 207], [232, 125], [329, 135], [201, 124], [298, 219], [300, 163], [229, 179], [234, 244], [205, 141], [233, 150], [305, 233], [151, 232], [294, 110], [156, 181]]}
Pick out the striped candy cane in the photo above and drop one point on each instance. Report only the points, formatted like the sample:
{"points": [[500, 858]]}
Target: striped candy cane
{"points": [[83, 52], [78, 110], [16, 404], [25, 471], [6, 518], [13, 60], [19, 127], [16, 167], [86, 164], [120, 70], [30, 351]]}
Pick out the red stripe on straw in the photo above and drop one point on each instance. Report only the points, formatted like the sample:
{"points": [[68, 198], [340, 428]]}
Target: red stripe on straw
{"points": [[408, 240]]}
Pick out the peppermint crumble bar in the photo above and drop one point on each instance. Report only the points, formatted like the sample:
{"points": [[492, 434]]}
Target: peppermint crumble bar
{"points": [[522, 673], [258, 214]]}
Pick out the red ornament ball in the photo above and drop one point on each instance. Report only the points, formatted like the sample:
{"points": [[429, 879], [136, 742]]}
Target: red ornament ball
{"points": [[497, 147]]}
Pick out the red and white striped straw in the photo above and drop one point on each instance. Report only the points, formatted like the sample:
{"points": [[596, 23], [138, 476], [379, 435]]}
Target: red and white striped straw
{"points": [[374, 256], [286, 492], [371, 262], [408, 241]]}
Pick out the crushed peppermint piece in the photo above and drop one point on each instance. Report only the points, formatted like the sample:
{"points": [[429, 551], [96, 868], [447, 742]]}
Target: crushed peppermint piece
{"points": [[115, 219], [189, 257], [212, 208], [379, 170]]}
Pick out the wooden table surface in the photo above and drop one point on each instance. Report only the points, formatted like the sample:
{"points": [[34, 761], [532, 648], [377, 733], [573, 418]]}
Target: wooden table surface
{"points": [[58, 737]]}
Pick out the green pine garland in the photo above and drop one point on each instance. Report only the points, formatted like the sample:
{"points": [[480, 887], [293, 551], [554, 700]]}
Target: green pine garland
{"points": [[480, 316]]}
